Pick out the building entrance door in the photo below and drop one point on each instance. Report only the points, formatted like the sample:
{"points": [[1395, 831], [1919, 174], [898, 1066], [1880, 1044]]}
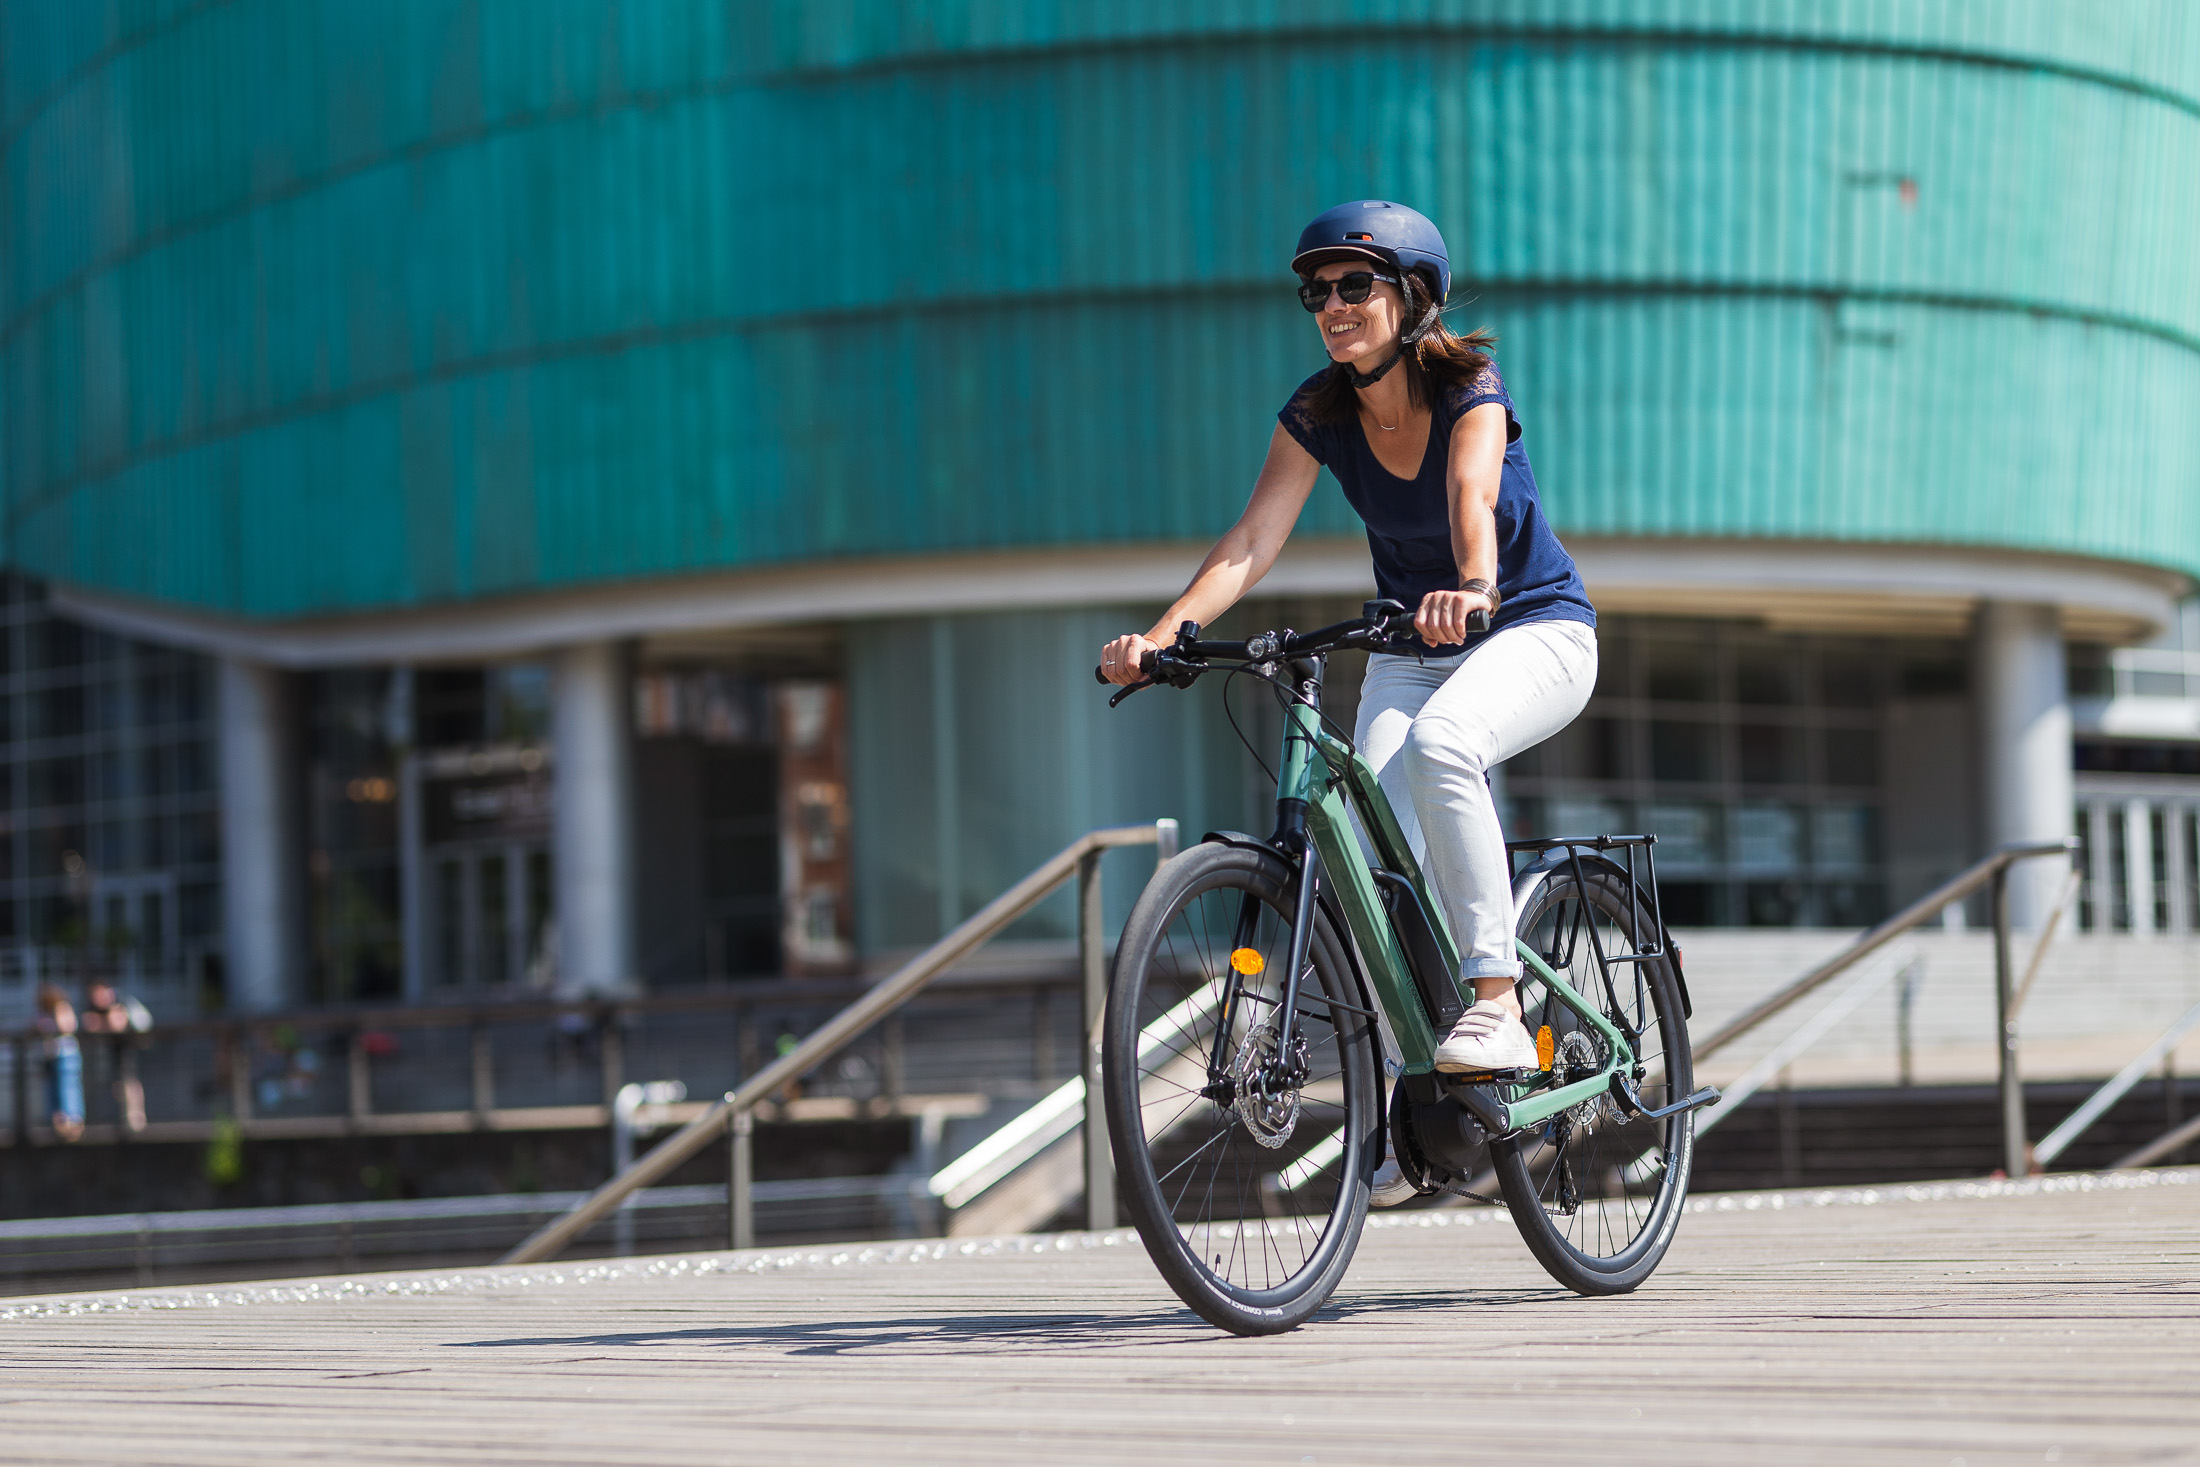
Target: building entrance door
{"points": [[479, 855]]}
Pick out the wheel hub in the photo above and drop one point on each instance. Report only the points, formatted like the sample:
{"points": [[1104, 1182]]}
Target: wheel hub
{"points": [[1269, 1113], [1578, 1058]]}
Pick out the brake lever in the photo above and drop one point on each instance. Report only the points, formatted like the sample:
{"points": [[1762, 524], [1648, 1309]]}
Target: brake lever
{"points": [[1144, 682]]}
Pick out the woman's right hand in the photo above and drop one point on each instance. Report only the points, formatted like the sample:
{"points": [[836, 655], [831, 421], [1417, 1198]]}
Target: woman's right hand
{"points": [[1122, 660]]}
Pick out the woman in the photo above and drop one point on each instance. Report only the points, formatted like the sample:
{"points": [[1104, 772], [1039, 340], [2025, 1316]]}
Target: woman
{"points": [[1415, 424], [64, 1063]]}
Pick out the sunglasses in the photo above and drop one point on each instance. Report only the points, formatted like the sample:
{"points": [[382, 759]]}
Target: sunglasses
{"points": [[1351, 288]]}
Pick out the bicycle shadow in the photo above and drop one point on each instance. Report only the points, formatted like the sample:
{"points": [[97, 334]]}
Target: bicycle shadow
{"points": [[1021, 1334]]}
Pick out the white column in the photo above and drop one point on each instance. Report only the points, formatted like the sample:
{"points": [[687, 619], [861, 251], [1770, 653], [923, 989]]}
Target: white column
{"points": [[263, 889], [2024, 720], [593, 821], [2174, 868], [2139, 864]]}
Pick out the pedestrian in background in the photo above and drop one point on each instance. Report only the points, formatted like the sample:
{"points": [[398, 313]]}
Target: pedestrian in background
{"points": [[119, 1019], [64, 1063]]}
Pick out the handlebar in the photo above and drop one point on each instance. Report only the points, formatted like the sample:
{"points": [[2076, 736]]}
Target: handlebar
{"points": [[1182, 663]]}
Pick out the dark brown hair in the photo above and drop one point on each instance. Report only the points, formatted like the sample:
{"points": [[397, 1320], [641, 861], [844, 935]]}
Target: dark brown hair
{"points": [[1441, 357]]}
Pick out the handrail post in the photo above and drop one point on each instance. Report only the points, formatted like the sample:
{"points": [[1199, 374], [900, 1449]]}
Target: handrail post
{"points": [[20, 1070], [2016, 1148], [483, 1087], [740, 1175], [883, 998], [359, 1097], [1092, 957], [240, 1073]]}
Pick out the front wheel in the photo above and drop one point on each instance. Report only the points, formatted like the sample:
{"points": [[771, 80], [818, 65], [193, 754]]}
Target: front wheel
{"points": [[1249, 1198], [1596, 1193]]}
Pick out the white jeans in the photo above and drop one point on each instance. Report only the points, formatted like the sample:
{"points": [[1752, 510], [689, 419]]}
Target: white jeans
{"points": [[1433, 730]]}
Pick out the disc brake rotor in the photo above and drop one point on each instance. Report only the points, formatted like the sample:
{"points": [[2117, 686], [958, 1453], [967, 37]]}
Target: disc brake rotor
{"points": [[1269, 1118]]}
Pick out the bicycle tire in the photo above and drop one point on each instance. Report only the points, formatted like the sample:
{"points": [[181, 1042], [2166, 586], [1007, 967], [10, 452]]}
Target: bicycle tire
{"points": [[1243, 1260], [1637, 1169]]}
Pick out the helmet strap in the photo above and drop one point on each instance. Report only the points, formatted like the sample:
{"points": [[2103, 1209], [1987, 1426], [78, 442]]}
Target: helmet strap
{"points": [[1364, 380]]}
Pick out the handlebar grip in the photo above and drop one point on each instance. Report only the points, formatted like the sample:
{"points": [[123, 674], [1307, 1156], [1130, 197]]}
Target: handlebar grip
{"points": [[1145, 668], [1478, 621]]}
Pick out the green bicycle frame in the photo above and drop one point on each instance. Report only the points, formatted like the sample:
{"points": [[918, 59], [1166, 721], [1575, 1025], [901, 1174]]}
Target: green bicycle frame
{"points": [[1333, 781]]}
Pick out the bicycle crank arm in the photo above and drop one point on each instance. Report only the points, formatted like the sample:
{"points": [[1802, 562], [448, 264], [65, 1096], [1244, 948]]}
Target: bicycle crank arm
{"points": [[1482, 1103], [1629, 1101]]}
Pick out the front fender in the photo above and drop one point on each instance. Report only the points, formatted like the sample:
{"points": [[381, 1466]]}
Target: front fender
{"points": [[1326, 899]]}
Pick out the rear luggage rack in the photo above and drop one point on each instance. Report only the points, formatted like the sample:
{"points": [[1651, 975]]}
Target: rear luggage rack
{"points": [[1574, 845]]}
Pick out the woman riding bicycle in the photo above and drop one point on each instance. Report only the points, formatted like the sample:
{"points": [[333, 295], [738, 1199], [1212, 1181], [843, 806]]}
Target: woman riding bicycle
{"points": [[1416, 425]]}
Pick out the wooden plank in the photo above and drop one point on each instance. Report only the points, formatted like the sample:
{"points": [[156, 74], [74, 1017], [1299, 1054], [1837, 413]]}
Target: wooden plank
{"points": [[2045, 1321]]}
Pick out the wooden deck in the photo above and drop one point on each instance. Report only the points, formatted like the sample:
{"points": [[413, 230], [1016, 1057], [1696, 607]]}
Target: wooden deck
{"points": [[1975, 1323]]}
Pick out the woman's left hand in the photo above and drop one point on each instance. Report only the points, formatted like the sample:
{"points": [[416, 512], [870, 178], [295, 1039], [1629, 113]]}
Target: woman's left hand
{"points": [[1442, 619]]}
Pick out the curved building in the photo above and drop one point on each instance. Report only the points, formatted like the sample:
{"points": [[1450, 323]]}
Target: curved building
{"points": [[651, 478]]}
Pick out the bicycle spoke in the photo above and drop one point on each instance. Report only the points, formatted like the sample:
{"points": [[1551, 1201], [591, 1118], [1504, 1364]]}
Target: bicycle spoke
{"points": [[1231, 1167]]}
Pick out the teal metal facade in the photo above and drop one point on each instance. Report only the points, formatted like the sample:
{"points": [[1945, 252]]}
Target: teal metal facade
{"points": [[315, 308]]}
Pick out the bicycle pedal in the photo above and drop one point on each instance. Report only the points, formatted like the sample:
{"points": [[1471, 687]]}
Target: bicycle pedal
{"points": [[1488, 1077]]}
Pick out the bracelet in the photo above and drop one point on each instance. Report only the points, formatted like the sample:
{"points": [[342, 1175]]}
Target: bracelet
{"points": [[1478, 584]]}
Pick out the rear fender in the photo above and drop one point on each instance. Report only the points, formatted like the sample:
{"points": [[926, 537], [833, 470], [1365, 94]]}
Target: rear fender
{"points": [[1530, 882]]}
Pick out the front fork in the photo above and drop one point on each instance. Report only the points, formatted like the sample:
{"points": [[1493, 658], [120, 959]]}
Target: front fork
{"points": [[1286, 1069], [1301, 765]]}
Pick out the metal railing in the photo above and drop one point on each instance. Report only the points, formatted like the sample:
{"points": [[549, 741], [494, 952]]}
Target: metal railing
{"points": [[2097, 1104], [507, 1063], [1991, 873], [733, 1117]]}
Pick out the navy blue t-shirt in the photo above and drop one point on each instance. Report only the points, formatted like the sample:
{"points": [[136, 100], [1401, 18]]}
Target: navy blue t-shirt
{"points": [[1409, 520]]}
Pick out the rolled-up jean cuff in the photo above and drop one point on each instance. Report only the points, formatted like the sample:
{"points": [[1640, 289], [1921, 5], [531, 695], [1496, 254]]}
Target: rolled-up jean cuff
{"points": [[1475, 968]]}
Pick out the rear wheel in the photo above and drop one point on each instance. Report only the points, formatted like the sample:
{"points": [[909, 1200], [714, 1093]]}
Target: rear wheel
{"points": [[1250, 1200], [1597, 1194]]}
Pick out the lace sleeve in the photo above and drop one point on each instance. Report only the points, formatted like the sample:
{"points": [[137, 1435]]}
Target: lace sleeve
{"points": [[1300, 424], [1488, 386]]}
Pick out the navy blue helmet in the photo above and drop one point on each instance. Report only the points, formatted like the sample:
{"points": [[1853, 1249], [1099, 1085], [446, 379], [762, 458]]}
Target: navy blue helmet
{"points": [[1379, 230]]}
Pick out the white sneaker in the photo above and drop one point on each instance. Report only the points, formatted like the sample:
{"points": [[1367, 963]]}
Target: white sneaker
{"points": [[1487, 1037]]}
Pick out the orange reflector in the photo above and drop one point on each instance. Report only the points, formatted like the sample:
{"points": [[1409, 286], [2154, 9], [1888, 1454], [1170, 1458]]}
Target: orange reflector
{"points": [[1546, 1046], [1248, 962]]}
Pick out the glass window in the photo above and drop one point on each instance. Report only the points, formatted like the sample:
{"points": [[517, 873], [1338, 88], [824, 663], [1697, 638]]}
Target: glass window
{"points": [[1587, 817], [496, 934], [201, 836], [1772, 753], [1684, 752], [198, 909], [1772, 903], [1768, 837], [1851, 903], [1692, 903], [57, 643], [1843, 837], [450, 906], [1768, 677], [1757, 760], [1846, 680], [1688, 835], [1852, 757], [59, 713], [1681, 674], [1935, 677]]}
